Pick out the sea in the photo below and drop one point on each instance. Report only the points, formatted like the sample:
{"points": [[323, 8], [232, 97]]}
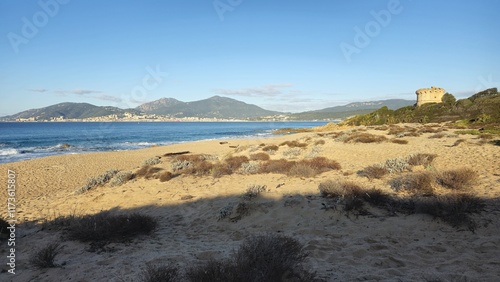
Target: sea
{"points": [[28, 140]]}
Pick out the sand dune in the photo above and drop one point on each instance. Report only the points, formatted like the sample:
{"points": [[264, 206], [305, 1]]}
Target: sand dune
{"points": [[342, 246]]}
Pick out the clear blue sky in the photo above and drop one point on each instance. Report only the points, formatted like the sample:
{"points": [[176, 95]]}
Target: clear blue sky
{"points": [[287, 55]]}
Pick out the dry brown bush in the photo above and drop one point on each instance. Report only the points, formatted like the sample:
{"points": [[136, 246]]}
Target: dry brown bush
{"points": [[421, 159], [199, 168], [277, 166], [294, 144], [364, 138], [373, 171], [319, 142], [234, 163], [270, 148], [399, 141], [219, 170], [339, 189], [457, 179], [416, 183], [322, 164], [395, 130], [302, 170], [438, 135], [166, 176], [259, 157]]}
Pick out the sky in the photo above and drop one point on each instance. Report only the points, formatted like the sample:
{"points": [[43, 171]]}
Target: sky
{"points": [[285, 55]]}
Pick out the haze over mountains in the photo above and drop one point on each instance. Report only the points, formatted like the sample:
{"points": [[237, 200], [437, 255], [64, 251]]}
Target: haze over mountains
{"points": [[215, 107]]}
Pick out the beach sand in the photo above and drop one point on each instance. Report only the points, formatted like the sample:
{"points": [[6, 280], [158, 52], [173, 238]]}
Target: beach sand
{"points": [[342, 246]]}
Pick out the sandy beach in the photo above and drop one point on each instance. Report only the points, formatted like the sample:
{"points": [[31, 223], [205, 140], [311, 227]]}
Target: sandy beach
{"points": [[373, 245]]}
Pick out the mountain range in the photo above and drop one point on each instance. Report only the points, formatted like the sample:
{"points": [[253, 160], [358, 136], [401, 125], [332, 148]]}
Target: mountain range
{"points": [[214, 107]]}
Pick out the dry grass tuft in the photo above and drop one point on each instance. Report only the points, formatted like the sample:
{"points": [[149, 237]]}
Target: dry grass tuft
{"points": [[399, 141], [438, 135], [364, 138], [421, 159], [457, 179], [277, 166], [294, 144], [234, 163], [319, 142], [270, 148], [160, 272], [416, 183], [259, 157], [339, 189], [44, 257], [373, 172], [166, 176]]}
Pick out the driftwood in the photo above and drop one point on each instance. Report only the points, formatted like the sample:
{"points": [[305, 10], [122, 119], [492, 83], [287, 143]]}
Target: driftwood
{"points": [[176, 153]]}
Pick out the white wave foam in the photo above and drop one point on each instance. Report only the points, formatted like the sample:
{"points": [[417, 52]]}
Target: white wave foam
{"points": [[8, 152]]}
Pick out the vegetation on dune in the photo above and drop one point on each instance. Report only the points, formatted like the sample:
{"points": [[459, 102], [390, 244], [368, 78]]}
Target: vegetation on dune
{"points": [[480, 109]]}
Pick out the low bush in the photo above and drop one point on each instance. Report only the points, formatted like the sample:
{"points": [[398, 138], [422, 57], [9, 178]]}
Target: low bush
{"points": [[151, 161], [399, 141], [397, 165], [250, 167], [270, 148], [292, 152], [373, 172], [319, 142], [166, 176], [302, 170], [262, 258], [457, 179], [200, 168], [234, 162], [294, 144], [105, 226], [147, 172], [254, 190], [96, 181], [160, 273], [44, 257], [421, 159], [276, 166], [121, 178], [339, 189], [438, 135], [322, 164], [259, 157], [220, 169], [416, 183], [364, 138], [454, 209]]}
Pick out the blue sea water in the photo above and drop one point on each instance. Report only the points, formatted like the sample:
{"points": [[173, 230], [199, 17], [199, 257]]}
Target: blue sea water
{"points": [[22, 141]]}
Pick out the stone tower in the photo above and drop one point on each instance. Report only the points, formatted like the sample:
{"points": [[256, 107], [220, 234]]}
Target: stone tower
{"points": [[429, 95]]}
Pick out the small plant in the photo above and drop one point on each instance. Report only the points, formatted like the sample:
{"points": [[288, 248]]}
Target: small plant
{"points": [[44, 257], [250, 167], [259, 157], [302, 170], [148, 172], [416, 183], [225, 211], [294, 144], [319, 142], [276, 166], [219, 170], [292, 152], [364, 138], [396, 165], [178, 165], [399, 141], [254, 190], [97, 181], [151, 161], [373, 172], [234, 163], [269, 148], [104, 226], [457, 179], [438, 135], [121, 178], [421, 159], [454, 209], [339, 189], [160, 273], [166, 176]]}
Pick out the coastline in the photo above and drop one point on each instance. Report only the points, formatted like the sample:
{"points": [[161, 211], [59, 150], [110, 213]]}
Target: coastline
{"points": [[341, 246]]}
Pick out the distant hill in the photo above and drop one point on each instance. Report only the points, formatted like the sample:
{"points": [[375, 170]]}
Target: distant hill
{"points": [[481, 108], [356, 108], [214, 107], [69, 111]]}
